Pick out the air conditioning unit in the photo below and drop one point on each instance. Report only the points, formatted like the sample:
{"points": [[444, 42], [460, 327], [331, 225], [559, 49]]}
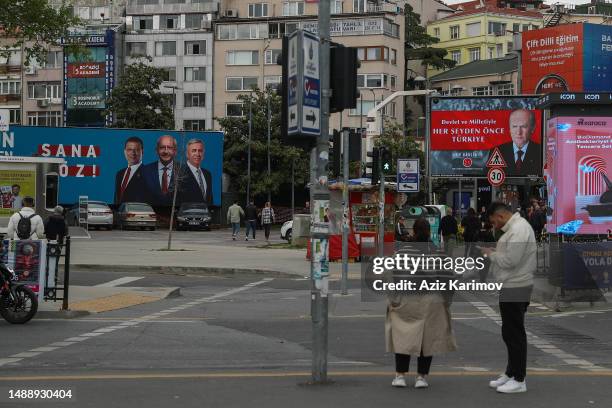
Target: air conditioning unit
{"points": [[231, 13], [56, 101], [206, 24], [30, 70], [43, 103]]}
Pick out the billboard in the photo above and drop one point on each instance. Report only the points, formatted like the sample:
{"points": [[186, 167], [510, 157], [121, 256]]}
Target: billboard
{"points": [[578, 173], [118, 165], [466, 131], [15, 183], [570, 57]]}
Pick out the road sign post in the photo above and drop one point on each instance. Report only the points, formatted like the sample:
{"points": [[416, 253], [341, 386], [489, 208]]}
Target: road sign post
{"points": [[496, 176], [408, 175]]}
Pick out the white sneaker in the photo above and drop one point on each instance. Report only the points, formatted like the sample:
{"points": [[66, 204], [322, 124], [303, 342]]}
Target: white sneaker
{"points": [[513, 386], [399, 381], [246, 238], [420, 382], [500, 381]]}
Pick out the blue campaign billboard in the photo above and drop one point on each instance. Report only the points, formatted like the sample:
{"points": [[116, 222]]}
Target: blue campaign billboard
{"points": [[597, 60], [120, 165]]}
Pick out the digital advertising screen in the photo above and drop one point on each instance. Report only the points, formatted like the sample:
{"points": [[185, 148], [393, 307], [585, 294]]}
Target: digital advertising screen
{"points": [[466, 131]]}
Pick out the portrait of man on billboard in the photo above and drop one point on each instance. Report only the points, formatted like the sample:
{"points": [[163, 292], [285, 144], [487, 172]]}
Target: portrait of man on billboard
{"points": [[196, 181], [159, 175], [523, 156], [129, 182]]}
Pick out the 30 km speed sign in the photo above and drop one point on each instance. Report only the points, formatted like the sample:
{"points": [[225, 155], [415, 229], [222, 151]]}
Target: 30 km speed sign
{"points": [[496, 176]]}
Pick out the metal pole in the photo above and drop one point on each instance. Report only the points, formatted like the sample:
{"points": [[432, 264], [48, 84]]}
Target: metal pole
{"points": [[428, 149], [65, 303], [248, 192], [292, 188], [269, 125], [460, 201], [381, 206], [361, 131], [320, 191], [345, 209]]}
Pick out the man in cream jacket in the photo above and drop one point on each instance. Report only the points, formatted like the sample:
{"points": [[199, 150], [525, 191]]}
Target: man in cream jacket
{"points": [[513, 263]]}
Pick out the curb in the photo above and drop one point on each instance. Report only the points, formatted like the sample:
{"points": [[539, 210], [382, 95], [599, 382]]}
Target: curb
{"points": [[60, 314], [183, 270]]}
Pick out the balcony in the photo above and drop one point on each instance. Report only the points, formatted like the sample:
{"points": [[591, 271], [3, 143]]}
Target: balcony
{"points": [[146, 7]]}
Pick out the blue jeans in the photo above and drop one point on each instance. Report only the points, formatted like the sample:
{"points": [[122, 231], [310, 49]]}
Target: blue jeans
{"points": [[235, 228], [251, 225]]}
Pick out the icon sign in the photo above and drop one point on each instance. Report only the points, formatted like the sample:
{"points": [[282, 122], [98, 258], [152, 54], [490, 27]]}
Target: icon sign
{"points": [[496, 159], [496, 176], [408, 175]]}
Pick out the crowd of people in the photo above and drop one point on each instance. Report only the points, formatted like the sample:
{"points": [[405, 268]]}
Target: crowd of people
{"points": [[235, 214]]}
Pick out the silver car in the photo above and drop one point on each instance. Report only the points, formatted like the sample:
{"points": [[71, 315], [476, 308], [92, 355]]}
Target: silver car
{"points": [[136, 215], [99, 215]]}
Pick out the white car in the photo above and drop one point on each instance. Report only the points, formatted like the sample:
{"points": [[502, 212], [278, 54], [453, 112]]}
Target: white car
{"points": [[286, 230]]}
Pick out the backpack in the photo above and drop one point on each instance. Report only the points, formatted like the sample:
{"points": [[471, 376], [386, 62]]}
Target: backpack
{"points": [[24, 227]]}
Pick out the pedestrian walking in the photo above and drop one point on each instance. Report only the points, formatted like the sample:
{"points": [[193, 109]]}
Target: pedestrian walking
{"points": [[55, 227], [513, 263], [26, 224], [234, 213], [485, 239], [471, 226], [251, 219], [267, 218], [418, 324], [448, 230]]}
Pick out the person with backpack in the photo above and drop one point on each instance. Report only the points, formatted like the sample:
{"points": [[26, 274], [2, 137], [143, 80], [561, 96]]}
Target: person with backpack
{"points": [[55, 227], [26, 224]]}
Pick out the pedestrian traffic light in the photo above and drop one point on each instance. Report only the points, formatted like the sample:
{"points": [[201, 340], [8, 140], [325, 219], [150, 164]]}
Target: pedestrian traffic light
{"points": [[335, 153], [385, 157], [374, 165], [343, 78]]}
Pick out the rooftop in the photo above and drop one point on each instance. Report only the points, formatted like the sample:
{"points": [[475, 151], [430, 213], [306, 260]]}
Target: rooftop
{"points": [[495, 66], [494, 10]]}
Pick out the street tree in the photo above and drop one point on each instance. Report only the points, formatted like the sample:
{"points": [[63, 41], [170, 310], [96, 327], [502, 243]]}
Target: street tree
{"points": [[34, 25], [137, 101], [282, 156]]}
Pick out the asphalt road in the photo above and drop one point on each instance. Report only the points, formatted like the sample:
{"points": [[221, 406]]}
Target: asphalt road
{"points": [[246, 341]]}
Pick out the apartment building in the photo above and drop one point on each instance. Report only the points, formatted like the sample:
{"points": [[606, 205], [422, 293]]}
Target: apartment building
{"points": [[248, 41], [482, 32], [177, 35], [11, 79]]}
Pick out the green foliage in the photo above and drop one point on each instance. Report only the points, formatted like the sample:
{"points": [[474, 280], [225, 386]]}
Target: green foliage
{"points": [[418, 44], [34, 25], [137, 101], [281, 156]]}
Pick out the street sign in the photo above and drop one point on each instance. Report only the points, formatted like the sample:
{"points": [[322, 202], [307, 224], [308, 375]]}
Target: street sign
{"points": [[292, 91], [83, 204], [496, 159], [408, 175], [496, 176], [5, 119]]}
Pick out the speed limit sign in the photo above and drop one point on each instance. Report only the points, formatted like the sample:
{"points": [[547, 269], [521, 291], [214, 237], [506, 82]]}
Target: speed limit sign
{"points": [[496, 176]]}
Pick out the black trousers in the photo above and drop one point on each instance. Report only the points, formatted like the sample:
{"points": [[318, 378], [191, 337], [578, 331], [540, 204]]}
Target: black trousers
{"points": [[513, 330], [267, 230], [402, 363]]}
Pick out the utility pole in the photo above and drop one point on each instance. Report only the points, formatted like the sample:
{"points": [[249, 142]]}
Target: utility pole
{"points": [[248, 192], [269, 124], [381, 205], [345, 209]]}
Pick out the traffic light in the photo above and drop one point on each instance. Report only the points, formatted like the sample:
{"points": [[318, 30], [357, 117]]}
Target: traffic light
{"points": [[374, 165], [385, 157], [343, 78], [335, 156]]}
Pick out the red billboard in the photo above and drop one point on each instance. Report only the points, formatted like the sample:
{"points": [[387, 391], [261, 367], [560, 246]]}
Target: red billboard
{"points": [[552, 59], [86, 70]]}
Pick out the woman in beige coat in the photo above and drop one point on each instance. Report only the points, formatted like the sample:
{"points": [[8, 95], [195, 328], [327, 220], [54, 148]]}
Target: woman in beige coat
{"points": [[418, 324]]}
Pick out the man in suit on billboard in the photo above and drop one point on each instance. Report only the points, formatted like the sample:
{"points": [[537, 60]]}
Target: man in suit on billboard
{"points": [[129, 183], [159, 175], [523, 156], [196, 182]]}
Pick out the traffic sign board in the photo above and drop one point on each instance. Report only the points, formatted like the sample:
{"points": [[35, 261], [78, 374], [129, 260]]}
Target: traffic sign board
{"points": [[496, 159], [496, 176], [408, 175]]}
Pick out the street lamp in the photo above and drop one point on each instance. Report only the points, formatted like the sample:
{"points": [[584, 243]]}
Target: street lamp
{"points": [[174, 88]]}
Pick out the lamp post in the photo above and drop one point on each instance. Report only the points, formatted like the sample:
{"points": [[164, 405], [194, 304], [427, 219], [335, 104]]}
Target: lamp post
{"points": [[248, 192], [174, 88]]}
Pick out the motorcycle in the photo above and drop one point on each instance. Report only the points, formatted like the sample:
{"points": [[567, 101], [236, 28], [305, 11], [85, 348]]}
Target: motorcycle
{"points": [[18, 303]]}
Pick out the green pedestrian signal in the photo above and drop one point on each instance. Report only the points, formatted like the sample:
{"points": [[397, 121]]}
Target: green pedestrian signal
{"points": [[385, 158]]}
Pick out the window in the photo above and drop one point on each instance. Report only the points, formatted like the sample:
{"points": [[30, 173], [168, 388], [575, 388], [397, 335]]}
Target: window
{"points": [[10, 87], [359, 6], [437, 32], [293, 8], [195, 100], [195, 74], [169, 74], [258, 10], [136, 49], [194, 20], [82, 12], [516, 27], [242, 31], [500, 50], [168, 21], [456, 56], [276, 30], [242, 58], [165, 48], [374, 53], [393, 59], [510, 46], [240, 83], [271, 56], [525, 27], [195, 47], [272, 81], [474, 54], [143, 23], [55, 59], [15, 116], [100, 12], [505, 89], [497, 28], [491, 52], [335, 6], [454, 32], [392, 81], [371, 80], [367, 106], [473, 29], [53, 118], [44, 90], [482, 91], [194, 124], [233, 109]]}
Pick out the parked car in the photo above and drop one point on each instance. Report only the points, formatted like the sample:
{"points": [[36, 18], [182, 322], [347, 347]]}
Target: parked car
{"points": [[136, 215], [193, 215], [287, 230], [99, 215]]}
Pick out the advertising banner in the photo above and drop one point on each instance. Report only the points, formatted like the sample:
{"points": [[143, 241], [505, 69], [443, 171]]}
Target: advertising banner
{"points": [[86, 70], [466, 131], [98, 160], [28, 259], [578, 174], [14, 185]]}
